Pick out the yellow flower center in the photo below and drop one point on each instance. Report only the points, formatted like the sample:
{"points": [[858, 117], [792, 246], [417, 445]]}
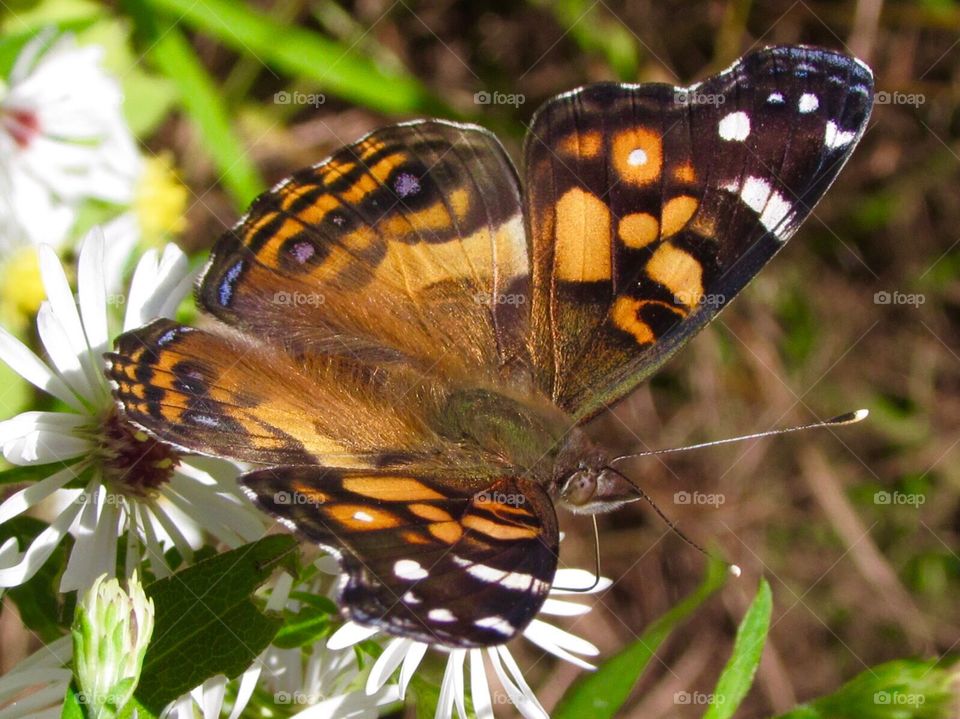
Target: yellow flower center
{"points": [[160, 200], [21, 289]]}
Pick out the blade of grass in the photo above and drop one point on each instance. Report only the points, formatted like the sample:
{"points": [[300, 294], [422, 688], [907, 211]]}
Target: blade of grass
{"points": [[737, 676], [200, 98], [601, 694], [342, 70]]}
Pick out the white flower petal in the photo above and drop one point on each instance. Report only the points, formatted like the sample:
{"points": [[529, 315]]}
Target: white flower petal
{"points": [[349, 634], [87, 559], [572, 579], [25, 363], [39, 550], [92, 291], [60, 349], [248, 683], [520, 694], [545, 642], [213, 693], [355, 705], [561, 608], [410, 664], [479, 688], [387, 664], [448, 686], [35, 493], [141, 285], [61, 300], [560, 638]]}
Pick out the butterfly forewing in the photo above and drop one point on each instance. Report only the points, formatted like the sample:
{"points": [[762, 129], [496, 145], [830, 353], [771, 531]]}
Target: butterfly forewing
{"points": [[407, 244], [650, 206], [424, 559]]}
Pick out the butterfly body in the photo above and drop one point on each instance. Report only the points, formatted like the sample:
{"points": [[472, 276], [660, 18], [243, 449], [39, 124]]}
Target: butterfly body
{"points": [[410, 344]]}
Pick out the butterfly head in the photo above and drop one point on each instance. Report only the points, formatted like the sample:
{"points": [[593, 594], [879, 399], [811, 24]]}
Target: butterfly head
{"points": [[583, 481]]}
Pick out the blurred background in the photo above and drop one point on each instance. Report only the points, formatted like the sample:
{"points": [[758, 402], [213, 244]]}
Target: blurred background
{"points": [[856, 528]]}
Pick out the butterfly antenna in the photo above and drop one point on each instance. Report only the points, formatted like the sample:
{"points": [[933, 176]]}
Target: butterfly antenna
{"points": [[733, 568], [596, 564], [838, 421]]}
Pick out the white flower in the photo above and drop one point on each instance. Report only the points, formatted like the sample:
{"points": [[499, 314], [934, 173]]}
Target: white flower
{"points": [[34, 689], [114, 478], [322, 683], [406, 655], [63, 138]]}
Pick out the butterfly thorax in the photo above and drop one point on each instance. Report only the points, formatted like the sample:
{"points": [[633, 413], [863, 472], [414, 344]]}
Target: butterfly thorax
{"points": [[535, 439]]}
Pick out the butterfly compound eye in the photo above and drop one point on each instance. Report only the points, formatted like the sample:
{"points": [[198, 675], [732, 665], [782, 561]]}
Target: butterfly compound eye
{"points": [[578, 489]]}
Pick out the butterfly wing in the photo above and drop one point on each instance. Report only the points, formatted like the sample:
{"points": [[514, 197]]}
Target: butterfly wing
{"points": [[406, 244], [651, 206], [227, 395], [424, 557]]}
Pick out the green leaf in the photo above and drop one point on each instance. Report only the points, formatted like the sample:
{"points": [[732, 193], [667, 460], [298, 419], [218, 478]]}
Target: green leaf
{"points": [[309, 624], [43, 609], [206, 621], [340, 69], [72, 707], [200, 97], [602, 693], [903, 689], [737, 676]]}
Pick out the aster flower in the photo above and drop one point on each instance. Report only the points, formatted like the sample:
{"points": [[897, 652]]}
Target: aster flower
{"points": [[110, 478], [34, 688], [322, 682], [406, 655], [63, 138]]}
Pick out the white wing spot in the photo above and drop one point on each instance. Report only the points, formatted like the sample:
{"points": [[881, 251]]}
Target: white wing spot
{"points": [[772, 207], [808, 103], [835, 138], [411, 598], [441, 615], [409, 569], [775, 98], [735, 126], [362, 516], [637, 157], [497, 624]]}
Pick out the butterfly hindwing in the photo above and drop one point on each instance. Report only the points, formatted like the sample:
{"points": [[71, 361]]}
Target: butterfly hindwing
{"points": [[408, 243], [424, 557], [649, 207]]}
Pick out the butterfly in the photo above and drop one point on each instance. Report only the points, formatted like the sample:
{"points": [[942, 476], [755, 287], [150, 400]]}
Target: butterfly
{"points": [[409, 342]]}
